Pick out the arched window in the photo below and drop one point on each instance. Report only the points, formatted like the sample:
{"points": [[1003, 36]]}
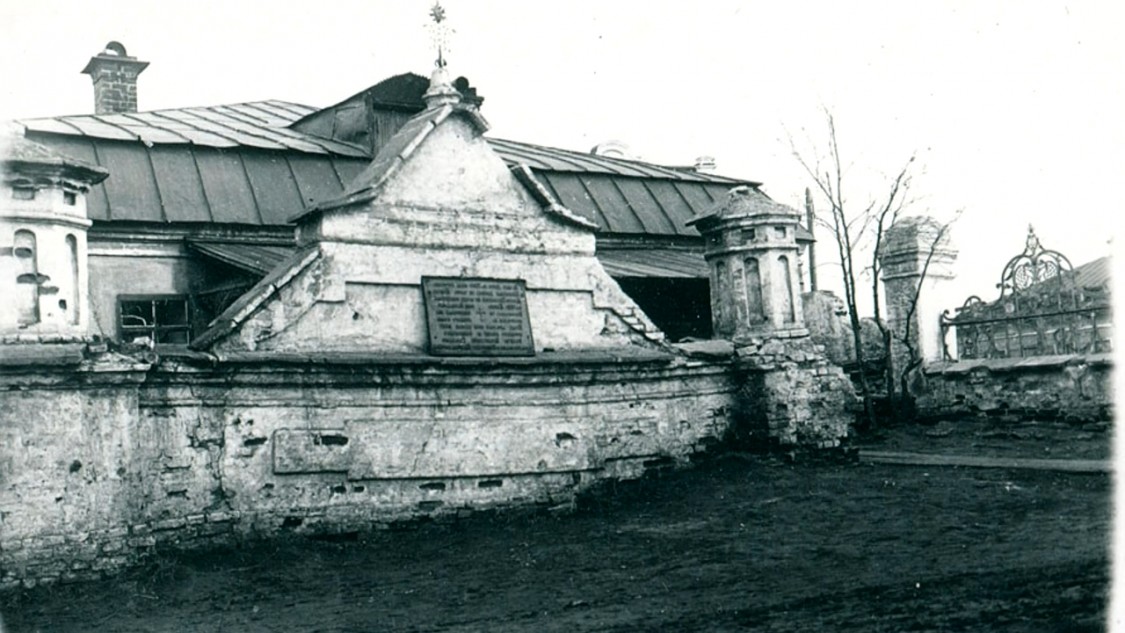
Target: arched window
{"points": [[27, 277], [720, 286], [787, 312], [755, 306], [72, 306]]}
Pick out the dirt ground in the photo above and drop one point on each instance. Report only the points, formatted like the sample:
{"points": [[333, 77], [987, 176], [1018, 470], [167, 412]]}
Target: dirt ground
{"points": [[1033, 439], [739, 543]]}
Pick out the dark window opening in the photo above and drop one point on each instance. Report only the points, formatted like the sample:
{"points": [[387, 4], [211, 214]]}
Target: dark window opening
{"points": [[162, 319], [70, 198], [680, 307]]}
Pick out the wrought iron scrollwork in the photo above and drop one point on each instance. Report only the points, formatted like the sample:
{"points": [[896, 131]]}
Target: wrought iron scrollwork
{"points": [[1041, 310], [1033, 266]]}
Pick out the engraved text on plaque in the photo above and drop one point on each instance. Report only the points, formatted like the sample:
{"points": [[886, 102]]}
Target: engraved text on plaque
{"points": [[477, 317]]}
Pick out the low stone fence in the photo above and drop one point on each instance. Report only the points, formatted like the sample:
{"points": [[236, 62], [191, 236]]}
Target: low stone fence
{"points": [[102, 460], [1076, 388]]}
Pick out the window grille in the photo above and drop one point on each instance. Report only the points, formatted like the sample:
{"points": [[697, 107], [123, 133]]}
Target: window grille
{"points": [[162, 319]]}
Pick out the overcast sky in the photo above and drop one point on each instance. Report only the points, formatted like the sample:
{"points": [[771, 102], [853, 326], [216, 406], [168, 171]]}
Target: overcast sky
{"points": [[1015, 109]]}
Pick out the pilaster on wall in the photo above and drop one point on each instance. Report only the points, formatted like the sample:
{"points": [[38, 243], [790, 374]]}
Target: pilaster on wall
{"points": [[917, 259]]}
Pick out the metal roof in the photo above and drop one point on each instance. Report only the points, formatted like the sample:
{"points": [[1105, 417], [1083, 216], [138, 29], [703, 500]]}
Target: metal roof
{"points": [[654, 262], [252, 258], [539, 157], [260, 124], [19, 154], [1094, 274], [242, 164], [677, 263]]}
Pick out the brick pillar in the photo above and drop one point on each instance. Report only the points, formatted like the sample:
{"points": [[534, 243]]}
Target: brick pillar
{"points": [[115, 79], [791, 395], [906, 247]]}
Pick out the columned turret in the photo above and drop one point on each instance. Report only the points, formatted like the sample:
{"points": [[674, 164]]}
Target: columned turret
{"points": [[791, 395], [43, 274], [751, 246]]}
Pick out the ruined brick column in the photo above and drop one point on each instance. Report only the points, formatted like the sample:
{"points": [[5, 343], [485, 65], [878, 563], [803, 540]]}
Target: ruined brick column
{"points": [[791, 394], [917, 292]]}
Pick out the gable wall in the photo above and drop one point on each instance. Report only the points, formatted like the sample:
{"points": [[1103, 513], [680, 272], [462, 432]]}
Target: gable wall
{"points": [[453, 209]]}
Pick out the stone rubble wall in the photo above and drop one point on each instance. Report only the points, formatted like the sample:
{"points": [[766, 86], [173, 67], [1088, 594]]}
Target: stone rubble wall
{"points": [[791, 395], [103, 464], [1077, 388]]}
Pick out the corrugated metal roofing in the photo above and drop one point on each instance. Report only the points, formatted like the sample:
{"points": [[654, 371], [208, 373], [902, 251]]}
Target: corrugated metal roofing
{"points": [[252, 258], [1094, 274], [261, 124], [654, 262], [618, 262], [264, 125], [241, 164], [539, 157]]}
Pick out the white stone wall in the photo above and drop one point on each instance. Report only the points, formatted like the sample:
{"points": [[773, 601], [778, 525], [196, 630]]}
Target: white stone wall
{"points": [[95, 476], [453, 210]]}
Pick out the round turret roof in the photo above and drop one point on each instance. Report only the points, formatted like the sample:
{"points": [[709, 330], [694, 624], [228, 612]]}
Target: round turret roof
{"points": [[19, 155]]}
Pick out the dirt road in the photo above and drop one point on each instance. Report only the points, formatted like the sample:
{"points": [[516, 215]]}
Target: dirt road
{"points": [[738, 544]]}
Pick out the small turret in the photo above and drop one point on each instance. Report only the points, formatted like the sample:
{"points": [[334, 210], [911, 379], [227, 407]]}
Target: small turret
{"points": [[43, 275], [750, 243]]}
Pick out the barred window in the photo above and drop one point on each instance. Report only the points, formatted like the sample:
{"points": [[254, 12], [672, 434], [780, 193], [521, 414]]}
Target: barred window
{"points": [[165, 319]]}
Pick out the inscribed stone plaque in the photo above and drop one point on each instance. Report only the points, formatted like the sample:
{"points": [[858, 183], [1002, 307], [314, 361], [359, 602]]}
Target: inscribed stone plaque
{"points": [[477, 317]]}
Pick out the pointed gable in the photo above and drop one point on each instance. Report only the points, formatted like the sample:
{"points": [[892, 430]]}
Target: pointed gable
{"points": [[440, 158], [437, 201]]}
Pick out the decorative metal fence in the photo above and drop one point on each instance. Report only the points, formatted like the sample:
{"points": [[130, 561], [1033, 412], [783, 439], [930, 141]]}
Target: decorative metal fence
{"points": [[1042, 310]]}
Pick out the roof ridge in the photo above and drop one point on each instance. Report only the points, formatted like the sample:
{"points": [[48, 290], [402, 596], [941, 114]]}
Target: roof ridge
{"points": [[676, 172], [176, 109]]}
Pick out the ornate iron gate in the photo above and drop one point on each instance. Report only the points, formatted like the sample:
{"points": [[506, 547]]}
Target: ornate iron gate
{"points": [[1042, 310]]}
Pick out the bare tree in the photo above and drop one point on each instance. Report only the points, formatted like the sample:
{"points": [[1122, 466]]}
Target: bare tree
{"points": [[852, 228], [913, 357], [884, 218]]}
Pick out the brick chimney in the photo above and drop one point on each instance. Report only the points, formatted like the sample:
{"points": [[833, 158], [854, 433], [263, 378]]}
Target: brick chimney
{"points": [[115, 79]]}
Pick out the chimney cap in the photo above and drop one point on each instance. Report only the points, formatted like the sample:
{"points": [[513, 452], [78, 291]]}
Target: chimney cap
{"points": [[114, 52], [704, 164], [613, 148], [115, 48]]}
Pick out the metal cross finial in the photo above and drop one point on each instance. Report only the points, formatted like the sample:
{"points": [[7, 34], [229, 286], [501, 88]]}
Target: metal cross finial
{"points": [[440, 31], [437, 12], [1032, 242]]}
